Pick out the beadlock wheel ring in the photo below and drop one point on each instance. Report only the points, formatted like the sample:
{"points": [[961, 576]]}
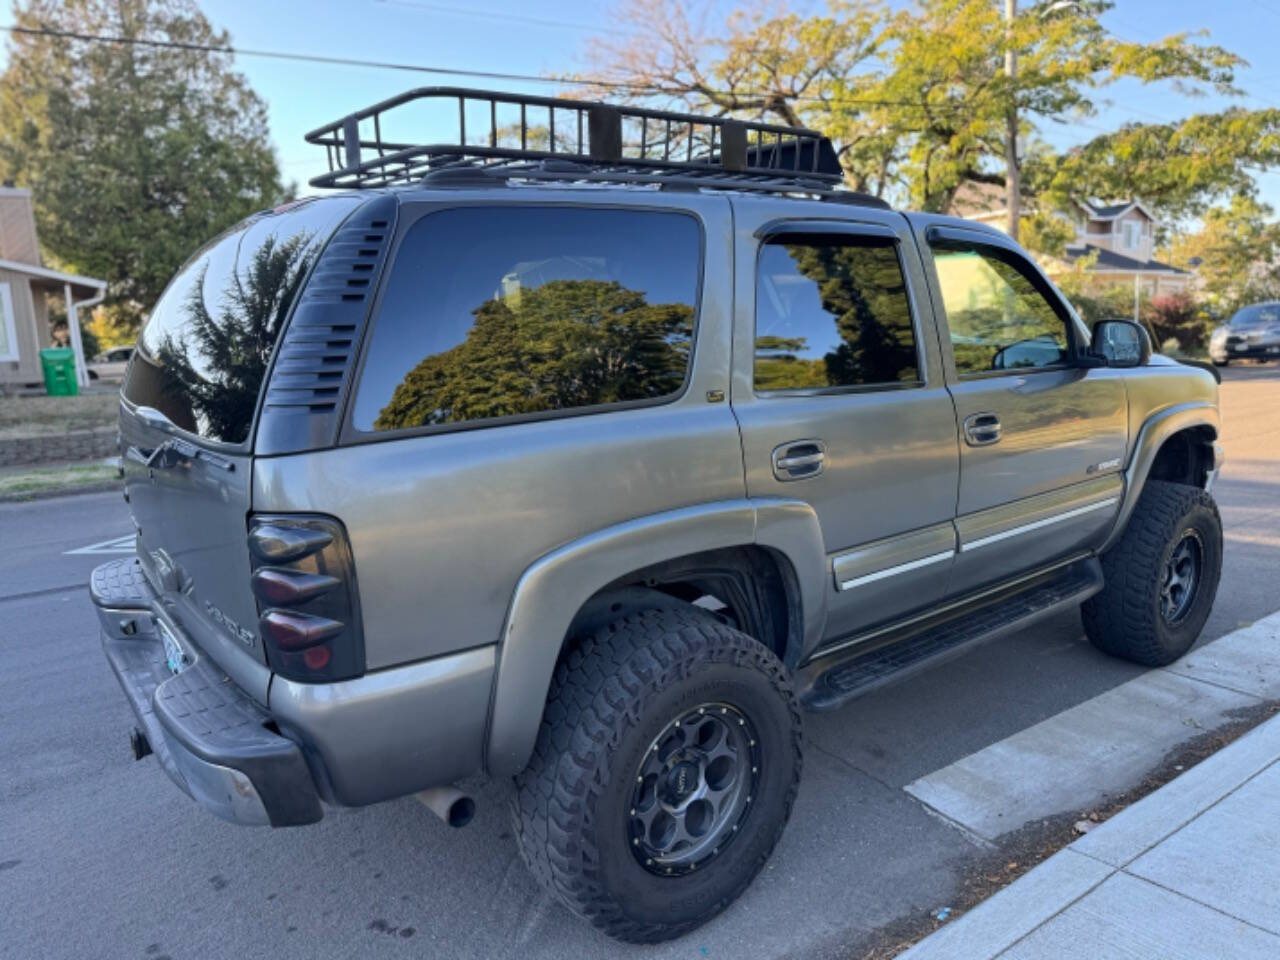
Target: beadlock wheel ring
{"points": [[694, 789]]}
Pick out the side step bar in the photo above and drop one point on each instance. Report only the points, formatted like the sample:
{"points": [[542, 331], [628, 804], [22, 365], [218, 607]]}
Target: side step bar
{"points": [[828, 682]]}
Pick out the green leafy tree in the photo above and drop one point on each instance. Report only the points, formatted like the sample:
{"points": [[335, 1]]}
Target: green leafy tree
{"points": [[564, 344], [136, 154], [1237, 247], [917, 100]]}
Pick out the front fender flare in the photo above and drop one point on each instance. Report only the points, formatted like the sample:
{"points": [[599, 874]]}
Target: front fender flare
{"points": [[1155, 431], [552, 590]]}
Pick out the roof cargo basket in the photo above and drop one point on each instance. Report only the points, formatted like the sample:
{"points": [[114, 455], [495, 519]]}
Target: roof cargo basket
{"points": [[514, 136]]}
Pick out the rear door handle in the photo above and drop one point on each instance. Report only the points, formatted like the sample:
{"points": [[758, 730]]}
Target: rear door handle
{"points": [[799, 459], [981, 429]]}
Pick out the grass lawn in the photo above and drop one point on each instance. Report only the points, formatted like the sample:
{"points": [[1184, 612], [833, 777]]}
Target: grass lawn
{"points": [[29, 416], [23, 483]]}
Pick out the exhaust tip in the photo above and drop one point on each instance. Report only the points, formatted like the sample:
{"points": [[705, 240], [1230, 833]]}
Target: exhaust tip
{"points": [[449, 804], [461, 811]]}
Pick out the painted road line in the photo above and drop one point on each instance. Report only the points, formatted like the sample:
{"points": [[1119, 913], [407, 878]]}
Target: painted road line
{"points": [[117, 545], [1104, 746]]}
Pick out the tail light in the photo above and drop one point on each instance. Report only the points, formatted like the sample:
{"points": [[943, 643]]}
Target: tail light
{"points": [[308, 608]]}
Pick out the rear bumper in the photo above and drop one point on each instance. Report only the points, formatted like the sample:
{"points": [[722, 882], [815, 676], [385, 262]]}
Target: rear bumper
{"points": [[386, 734], [210, 737]]}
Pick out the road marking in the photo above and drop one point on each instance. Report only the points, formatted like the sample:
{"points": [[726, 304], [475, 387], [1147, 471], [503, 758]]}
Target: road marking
{"points": [[1103, 746], [118, 545]]}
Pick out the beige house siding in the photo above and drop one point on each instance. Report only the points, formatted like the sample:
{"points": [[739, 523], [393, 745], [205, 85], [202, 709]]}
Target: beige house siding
{"points": [[27, 369], [18, 227]]}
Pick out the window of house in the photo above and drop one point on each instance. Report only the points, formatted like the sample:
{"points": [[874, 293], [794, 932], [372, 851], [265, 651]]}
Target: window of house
{"points": [[831, 313], [998, 314], [8, 326], [496, 312], [1130, 234]]}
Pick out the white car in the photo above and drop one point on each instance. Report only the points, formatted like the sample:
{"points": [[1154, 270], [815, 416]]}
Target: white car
{"points": [[110, 364], [1253, 332]]}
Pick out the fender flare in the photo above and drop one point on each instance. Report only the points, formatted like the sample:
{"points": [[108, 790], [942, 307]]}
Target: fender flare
{"points": [[1158, 428], [553, 588]]}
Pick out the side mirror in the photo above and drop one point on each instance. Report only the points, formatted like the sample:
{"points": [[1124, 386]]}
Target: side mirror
{"points": [[1121, 343]]}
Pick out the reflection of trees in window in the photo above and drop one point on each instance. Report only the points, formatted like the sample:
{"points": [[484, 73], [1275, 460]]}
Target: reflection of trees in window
{"points": [[565, 344], [862, 289], [214, 365], [1005, 323]]}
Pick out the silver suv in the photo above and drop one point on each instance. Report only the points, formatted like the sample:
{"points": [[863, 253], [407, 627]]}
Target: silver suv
{"points": [[592, 452]]}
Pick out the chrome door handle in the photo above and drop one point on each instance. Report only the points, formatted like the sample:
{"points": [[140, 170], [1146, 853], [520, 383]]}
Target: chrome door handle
{"points": [[981, 429], [799, 459]]}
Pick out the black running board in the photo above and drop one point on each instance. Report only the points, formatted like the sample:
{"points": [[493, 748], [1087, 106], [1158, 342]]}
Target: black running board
{"points": [[830, 681]]}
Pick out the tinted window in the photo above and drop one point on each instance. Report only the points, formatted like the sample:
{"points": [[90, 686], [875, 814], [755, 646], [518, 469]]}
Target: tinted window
{"points": [[203, 352], [496, 312], [832, 311], [998, 317]]}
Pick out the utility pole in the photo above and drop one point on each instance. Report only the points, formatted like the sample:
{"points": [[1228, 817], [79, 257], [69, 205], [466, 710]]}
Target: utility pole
{"points": [[1012, 176]]}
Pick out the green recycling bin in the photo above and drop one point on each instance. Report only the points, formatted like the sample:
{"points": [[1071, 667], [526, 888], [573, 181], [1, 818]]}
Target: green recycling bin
{"points": [[59, 365]]}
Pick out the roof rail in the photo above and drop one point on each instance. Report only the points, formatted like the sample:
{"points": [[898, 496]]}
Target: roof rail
{"points": [[510, 136]]}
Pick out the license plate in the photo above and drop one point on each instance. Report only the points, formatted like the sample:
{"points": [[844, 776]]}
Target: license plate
{"points": [[174, 658]]}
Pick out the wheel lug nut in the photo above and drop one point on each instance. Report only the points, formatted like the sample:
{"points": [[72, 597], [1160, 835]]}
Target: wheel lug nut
{"points": [[633, 812], [635, 841]]}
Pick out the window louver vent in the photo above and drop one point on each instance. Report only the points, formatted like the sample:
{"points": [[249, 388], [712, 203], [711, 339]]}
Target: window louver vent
{"points": [[312, 369]]}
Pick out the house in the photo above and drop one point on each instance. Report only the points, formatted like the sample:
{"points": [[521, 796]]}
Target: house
{"points": [[1115, 241], [25, 288], [1121, 239]]}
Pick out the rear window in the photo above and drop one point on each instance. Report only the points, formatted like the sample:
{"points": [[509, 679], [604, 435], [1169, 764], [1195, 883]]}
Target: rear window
{"points": [[496, 312], [202, 354]]}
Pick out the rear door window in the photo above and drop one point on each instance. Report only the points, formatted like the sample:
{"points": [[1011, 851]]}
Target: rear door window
{"points": [[203, 352], [832, 314], [501, 312]]}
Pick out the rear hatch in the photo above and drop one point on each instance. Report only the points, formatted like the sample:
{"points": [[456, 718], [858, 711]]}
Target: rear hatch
{"points": [[187, 416]]}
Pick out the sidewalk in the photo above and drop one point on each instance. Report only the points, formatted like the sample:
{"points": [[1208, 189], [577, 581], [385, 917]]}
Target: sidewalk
{"points": [[1191, 871]]}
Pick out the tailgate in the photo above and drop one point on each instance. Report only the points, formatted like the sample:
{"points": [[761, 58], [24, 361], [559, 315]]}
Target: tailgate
{"points": [[187, 413], [191, 508]]}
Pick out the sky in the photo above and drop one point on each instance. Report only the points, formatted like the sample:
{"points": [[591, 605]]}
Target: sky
{"points": [[551, 36]]}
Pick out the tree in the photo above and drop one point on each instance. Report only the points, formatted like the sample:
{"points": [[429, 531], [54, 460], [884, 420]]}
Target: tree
{"points": [[564, 344], [917, 100], [136, 154], [1238, 248]]}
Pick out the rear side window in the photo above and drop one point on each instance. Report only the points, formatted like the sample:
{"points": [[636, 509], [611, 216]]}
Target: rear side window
{"points": [[831, 313], [202, 354], [493, 312]]}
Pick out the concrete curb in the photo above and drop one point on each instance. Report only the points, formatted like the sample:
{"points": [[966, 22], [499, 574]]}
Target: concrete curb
{"points": [[57, 493], [1072, 873]]}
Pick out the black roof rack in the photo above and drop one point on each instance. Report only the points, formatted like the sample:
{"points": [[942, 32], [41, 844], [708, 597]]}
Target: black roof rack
{"points": [[516, 136]]}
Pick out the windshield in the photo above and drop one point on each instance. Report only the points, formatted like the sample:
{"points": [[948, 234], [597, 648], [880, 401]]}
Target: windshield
{"points": [[1257, 315]]}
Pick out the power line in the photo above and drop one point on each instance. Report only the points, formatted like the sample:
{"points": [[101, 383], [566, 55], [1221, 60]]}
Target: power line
{"points": [[622, 86], [507, 17]]}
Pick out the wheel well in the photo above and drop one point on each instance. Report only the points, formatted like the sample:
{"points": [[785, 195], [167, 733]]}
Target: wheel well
{"points": [[753, 587], [1185, 457]]}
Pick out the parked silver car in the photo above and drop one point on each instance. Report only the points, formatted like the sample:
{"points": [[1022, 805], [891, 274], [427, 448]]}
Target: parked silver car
{"points": [[1252, 333], [597, 468], [110, 364]]}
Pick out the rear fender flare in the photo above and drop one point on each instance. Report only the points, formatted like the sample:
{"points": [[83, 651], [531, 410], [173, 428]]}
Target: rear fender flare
{"points": [[552, 590]]}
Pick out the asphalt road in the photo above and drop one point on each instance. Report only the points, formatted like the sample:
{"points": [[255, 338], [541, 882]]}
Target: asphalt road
{"points": [[101, 857]]}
